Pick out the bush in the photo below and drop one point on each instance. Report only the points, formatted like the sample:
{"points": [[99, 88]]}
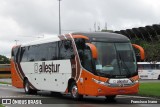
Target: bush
{"points": [[152, 49], [4, 60]]}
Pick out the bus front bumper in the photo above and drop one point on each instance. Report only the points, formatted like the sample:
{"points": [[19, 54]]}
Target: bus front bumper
{"points": [[119, 89]]}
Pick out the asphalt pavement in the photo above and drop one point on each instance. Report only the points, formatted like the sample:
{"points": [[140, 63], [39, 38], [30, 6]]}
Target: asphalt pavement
{"points": [[8, 80], [9, 92]]}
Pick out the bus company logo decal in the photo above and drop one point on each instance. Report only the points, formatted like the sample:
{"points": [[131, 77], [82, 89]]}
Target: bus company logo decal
{"points": [[46, 68], [36, 67], [122, 81]]}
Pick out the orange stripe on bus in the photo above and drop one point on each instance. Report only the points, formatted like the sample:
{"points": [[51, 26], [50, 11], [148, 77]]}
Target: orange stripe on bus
{"points": [[142, 53], [80, 36], [94, 50], [16, 80], [87, 86]]}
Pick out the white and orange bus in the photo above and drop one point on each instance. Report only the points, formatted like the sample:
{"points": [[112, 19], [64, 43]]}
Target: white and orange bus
{"points": [[95, 64]]}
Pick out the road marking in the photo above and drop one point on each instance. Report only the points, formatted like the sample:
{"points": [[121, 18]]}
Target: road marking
{"points": [[130, 96]]}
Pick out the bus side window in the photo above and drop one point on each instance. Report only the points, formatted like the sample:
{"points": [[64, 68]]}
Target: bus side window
{"points": [[42, 52], [52, 51], [147, 66], [31, 51], [157, 66], [15, 54], [66, 50], [153, 66], [80, 44], [87, 59], [24, 54], [85, 54], [140, 67], [18, 55], [36, 52]]}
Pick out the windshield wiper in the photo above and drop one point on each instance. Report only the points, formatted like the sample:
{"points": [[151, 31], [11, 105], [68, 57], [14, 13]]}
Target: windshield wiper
{"points": [[122, 62]]}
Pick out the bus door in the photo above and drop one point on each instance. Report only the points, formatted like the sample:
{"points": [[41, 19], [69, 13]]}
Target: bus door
{"points": [[85, 57], [88, 65]]}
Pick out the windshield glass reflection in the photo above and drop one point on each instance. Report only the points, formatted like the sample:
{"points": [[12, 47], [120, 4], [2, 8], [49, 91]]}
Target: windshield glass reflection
{"points": [[115, 59]]}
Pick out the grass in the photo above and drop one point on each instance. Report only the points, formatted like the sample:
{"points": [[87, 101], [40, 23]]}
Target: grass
{"points": [[150, 89], [1, 105], [4, 83]]}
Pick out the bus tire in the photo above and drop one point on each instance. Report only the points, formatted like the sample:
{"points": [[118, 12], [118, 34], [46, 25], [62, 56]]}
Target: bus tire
{"points": [[74, 92], [110, 98], [27, 88], [158, 77]]}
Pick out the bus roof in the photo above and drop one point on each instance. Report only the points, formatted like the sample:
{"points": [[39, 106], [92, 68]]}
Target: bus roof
{"points": [[93, 36], [104, 36]]}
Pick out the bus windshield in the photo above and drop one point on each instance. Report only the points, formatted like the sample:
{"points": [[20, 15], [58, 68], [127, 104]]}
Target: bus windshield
{"points": [[115, 59]]}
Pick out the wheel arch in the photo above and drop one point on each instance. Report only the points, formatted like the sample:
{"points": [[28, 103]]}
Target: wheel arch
{"points": [[70, 81], [25, 78]]}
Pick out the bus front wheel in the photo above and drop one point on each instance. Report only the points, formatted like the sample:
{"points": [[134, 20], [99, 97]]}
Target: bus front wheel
{"points": [[27, 88], [74, 92], [159, 77]]}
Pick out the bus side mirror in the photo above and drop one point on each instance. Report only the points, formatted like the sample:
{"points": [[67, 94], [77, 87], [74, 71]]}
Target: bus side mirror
{"points": [[93, 50], [142, 53]]}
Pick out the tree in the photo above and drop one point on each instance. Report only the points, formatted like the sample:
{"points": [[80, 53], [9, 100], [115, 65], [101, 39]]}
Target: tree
{"points": [[104, 30], [152, 49], [4, 60]]}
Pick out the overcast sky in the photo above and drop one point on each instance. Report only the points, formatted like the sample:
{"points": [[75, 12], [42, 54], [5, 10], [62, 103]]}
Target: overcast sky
{"points": [[26, 20]]}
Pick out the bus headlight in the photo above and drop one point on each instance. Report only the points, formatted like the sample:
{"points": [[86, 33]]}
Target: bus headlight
{"points": [[100, 82], [136, 81]]}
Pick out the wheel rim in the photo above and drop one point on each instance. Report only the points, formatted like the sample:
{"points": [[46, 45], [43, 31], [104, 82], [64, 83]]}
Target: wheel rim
{"points": [[74, 91]]}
